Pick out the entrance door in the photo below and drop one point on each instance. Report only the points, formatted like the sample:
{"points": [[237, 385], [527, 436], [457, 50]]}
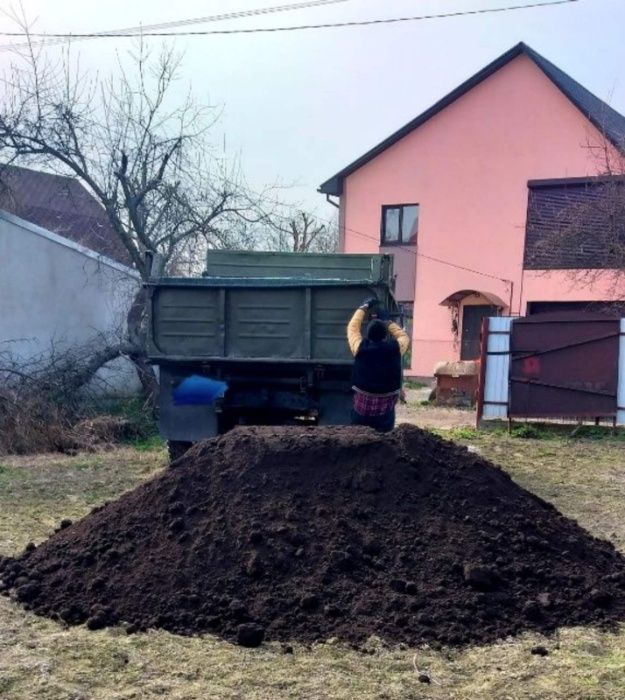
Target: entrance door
{"points": [[471, 326]]}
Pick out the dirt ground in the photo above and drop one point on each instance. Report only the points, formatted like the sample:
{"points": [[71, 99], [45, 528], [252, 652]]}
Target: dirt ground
{"points": [[418, 412], [39, 659]]}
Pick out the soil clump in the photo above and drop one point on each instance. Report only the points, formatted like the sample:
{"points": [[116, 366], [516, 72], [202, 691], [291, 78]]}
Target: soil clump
{"points": [[304, 534]]}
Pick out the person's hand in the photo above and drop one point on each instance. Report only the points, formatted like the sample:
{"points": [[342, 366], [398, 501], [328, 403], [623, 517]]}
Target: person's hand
{"points": [[369, 303], [383, 315]]}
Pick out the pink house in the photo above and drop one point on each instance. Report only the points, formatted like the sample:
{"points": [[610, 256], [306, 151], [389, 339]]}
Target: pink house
{"points": [[459, 196]]}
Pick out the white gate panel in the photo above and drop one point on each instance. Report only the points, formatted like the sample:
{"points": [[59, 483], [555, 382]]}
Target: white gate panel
{"points": [[496, 385]]}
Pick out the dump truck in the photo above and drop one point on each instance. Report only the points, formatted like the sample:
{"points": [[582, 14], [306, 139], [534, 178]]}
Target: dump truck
{"points": [[269, 325]]}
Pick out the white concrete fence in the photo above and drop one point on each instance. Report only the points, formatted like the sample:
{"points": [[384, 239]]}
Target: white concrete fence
{"points": [[57, 294]]}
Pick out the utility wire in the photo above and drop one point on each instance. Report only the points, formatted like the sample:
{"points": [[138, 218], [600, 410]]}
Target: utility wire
{"points": [[266, 30], [141, 30], [417, 254], [149, 30], [376, 239], [409, 249]]}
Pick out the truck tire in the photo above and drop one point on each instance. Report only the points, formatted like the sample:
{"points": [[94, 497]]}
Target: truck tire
{"points": [[226, 421], [335, 408], [177, 448]]}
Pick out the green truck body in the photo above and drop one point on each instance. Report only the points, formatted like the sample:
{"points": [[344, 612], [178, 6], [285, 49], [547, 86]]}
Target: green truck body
{"points": [[272, 326]]}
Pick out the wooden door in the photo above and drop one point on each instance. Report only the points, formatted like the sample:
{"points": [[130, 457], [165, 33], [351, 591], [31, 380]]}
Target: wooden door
{"points": [[471, 325]]}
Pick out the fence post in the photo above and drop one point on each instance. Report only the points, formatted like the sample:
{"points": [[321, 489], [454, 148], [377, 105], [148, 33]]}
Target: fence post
{"points": [[620, 392], [479, 408]]}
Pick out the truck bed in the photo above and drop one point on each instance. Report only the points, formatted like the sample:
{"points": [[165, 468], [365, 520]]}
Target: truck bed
{"points": [[272, 327], [298, 318]]}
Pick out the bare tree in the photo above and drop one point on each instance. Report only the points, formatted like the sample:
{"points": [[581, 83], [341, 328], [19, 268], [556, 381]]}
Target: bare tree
{"points": [[145, 156], [297, 231], [585, 235], [580, 228]]}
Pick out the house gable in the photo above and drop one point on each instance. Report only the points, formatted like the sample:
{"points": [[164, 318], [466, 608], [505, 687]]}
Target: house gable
{"points": [[598, 113], [467, 168]]}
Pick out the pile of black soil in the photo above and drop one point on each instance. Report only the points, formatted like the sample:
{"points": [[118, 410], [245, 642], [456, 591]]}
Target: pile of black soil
{"points": [[305, 534]]}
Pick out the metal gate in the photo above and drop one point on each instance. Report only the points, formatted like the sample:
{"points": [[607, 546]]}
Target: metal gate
{"points": [[556, 365], [564, 365]]}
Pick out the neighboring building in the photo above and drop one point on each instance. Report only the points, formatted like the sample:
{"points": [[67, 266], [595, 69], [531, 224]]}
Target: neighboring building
{"points": [[61, 205], [462, 195], [56, 292]]}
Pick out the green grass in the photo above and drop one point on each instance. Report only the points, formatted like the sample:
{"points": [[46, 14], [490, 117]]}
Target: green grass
{"points": [[134, 410], [413, 384], [462, 433], [148, 444], [584, 476]]}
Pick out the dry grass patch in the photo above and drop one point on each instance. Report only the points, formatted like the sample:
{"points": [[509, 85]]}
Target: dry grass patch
{"points": [[584, 478], [39, 659], [38, 491]]}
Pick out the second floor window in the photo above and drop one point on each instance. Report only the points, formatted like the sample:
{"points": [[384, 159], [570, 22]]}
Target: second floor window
{"points": [[399, 224]]}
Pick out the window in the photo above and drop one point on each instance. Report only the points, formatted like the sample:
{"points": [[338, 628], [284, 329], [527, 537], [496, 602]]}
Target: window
{"points": [[570, 225], [399, 224]]}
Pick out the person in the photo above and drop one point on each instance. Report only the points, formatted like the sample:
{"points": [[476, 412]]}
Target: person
{"points": [[377, 373]]}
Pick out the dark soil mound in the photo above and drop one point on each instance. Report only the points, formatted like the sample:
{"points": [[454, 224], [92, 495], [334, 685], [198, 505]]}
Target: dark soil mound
{"points": [[304, 534]]}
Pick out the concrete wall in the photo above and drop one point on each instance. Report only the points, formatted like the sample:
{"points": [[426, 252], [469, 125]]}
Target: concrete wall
{"points": [[468, 169], [55, 292]]}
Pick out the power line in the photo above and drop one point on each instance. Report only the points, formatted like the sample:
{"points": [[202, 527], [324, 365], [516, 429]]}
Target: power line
{"points": [[266, 30], [376, 240], [141, 30], [417, 254], [462, 267], [408, 249]]}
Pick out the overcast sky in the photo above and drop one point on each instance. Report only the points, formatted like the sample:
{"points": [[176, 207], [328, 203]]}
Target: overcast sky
{"points": [[298, 106]]}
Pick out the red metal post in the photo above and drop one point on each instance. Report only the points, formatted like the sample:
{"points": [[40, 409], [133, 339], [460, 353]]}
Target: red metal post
{"points": [[479, 409]]}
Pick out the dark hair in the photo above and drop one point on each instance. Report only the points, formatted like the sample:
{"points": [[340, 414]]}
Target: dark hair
{"points": [[376, 330]]}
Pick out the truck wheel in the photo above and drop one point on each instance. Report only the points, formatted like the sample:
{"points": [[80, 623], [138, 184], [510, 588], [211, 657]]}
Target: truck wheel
{"points": [[177, 448], [225, 422], [335, 408]]}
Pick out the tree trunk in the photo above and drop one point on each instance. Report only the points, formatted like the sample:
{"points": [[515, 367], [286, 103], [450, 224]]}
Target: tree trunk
{"points": [[79, 377], [137, 337], [133, 347], [147, 377]]}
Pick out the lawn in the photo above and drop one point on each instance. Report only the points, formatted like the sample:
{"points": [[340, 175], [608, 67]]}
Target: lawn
{"points": [[585, 478]]}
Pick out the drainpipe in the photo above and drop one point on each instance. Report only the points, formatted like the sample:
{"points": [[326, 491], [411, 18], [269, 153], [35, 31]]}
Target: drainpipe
{"points": [[341, 221]]}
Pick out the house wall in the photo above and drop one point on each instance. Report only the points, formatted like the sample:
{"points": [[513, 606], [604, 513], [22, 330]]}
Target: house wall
{"points": [[404, 271], [55, 293], [570, 285], [468, 168]]}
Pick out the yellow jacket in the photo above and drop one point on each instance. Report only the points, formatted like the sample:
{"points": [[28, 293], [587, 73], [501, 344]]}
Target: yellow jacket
{"points": [[354, 334]]}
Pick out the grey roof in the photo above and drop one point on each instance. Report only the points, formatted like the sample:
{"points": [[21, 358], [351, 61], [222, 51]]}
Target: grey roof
{"points": [[61, 205], [606, 119]]}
